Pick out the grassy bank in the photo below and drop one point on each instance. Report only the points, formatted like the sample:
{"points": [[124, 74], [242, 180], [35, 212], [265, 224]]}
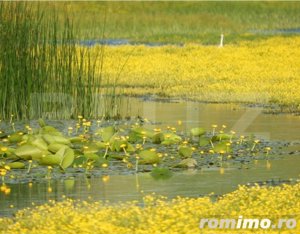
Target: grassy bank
{"points": [[157, 215], [201, 22], [251, 72]]}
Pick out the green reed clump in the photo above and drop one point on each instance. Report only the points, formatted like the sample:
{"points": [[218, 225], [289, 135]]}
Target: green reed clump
{"points": [[43, 73]]}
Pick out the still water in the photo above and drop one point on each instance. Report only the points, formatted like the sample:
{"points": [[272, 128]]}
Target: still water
{"points": [[191, 183]]}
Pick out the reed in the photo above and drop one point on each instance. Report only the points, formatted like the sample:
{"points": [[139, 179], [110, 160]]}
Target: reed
{"points": [[43, 72]]}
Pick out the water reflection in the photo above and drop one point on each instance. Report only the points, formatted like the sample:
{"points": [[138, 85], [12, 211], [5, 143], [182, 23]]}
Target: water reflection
{"points": [[115, 188], [242, 119]]}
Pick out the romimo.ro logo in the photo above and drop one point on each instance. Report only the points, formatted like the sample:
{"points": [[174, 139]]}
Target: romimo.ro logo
{"points": [[245, 223]]}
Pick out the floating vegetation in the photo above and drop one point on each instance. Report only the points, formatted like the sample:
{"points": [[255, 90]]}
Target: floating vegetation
{"points": [[157, 214], [249, 72], [101, 147]]}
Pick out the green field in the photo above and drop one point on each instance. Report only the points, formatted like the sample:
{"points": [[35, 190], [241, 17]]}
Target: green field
{"points": [[174, 22]]}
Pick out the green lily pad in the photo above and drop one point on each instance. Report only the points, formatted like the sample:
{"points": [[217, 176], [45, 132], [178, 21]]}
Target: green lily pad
{"points": [[54, 147], [185, 151], [16, 165], [101, 145], [168, 142], [204, 141], [56, 139], [50, 160], [197, 131], [187, 163], [89, 148], [224, 137], [16, 137], [76, 139], [29, 152], [143, 132], [116, 143], [116, 156], [50, 130], [80, 161], [157, 138], [130, 148], [67, 157], [222, 147], [40, 143], [136, 134], [101, 161], [170, 138], [106, 133], [148, 157], [92, 156]]}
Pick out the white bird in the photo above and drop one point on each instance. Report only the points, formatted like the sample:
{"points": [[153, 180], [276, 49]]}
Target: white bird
{"points": [[221, 40]]}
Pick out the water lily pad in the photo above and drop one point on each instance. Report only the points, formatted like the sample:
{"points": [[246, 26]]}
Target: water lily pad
{"points": [[29, 152], [40, 143], [148, 157], [222, 147], [54, 147], [67, 157], [106, 133], [224, 137], [50, 160], [76, 139], [15, 138], [168, 142], [16, 165], [143, 132], [50, 130], [117, 143], [137, 134], [204, 141], [130, 148], [91, 156], [185, 151], [158, 138], [187, 163], [80, 161], [116, 156], [90, 148], [221, 137], [197, 131], [56, 139], [101, 145], [101, 161], [170, 138], [161, 173]]}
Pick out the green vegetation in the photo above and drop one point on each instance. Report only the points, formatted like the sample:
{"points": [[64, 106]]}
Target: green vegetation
{"points": [[42, 72], [179, 22], [123, 148]]}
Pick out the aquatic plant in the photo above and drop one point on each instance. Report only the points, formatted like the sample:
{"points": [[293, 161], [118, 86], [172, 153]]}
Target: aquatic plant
{"points": [[120, 147], [43, 73], [158, 214], [248, 72]]}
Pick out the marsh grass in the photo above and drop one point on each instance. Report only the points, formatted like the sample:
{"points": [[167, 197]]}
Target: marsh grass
{"points": [[43, 72], [180, 22]]}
